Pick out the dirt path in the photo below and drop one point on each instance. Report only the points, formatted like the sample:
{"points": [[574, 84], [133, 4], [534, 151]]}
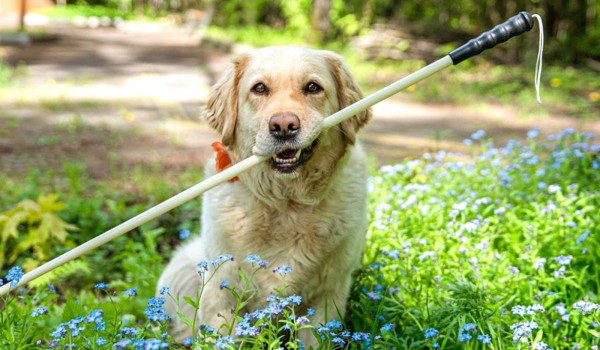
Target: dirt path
{"points": [[133, 96]]}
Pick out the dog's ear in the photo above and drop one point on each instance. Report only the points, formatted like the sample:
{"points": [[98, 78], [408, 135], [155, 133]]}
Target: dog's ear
{"points": [[222, 107], [348, 92]]}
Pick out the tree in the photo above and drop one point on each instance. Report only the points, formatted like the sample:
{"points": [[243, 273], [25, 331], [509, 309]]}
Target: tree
{"points": [[321, 20]]}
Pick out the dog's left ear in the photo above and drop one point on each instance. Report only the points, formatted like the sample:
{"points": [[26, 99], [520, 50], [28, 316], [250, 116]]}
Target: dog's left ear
{"points": [[348, 92], [222, 109]]}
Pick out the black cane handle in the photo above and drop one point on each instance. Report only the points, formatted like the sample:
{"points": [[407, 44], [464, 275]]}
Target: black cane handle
{"points": [[517, 25]]}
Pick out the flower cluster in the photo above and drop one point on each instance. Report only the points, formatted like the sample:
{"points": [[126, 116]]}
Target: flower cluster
{"points": [[155, 310], [256, 260], [13, 276], [563, 259], [431, 333], [97, 318], [100, 286], [75, 327], [527, 310], [184, 234], [153, 344], [523, 330], [562, 311], [585, 306], [224, 342], [277, 305], [334, 331], [467, 331], [204, 266], [42, 310], [484, 339], [131, 292], [283, 270], [542, 346]]}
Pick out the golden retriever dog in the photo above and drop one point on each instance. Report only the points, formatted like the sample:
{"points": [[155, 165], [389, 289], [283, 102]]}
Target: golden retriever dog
{"points": [[306, 207]]}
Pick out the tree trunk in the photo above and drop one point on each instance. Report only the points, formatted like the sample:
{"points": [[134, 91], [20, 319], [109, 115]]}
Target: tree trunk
{"points": [[22, 12], [139, 7], [321, 22], [578, 28]]}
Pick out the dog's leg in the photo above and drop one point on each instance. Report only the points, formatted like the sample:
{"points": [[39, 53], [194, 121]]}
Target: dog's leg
{"points": [[181, 276], [217, 303]]}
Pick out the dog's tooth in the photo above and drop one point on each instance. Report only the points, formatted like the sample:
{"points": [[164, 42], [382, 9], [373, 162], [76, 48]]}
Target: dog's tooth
{"points": [[287, 160], [298, 154]]}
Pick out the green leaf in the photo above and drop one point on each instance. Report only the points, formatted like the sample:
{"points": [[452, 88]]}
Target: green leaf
{"points": [[25, 244], [183, 318], [538, 337], [51, 226], [49, 203], [11, 224], [194, 303], [31, 208], [71, 310]]}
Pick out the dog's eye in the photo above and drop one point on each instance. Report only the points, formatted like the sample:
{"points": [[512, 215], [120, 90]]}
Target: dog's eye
{"points": [[313, 88], [260, 89]]}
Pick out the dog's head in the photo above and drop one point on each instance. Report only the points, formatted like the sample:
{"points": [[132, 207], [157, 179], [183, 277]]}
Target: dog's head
{"points": [[273, 102]]}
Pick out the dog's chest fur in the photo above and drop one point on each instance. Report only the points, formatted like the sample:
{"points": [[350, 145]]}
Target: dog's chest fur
{"points": [[285, 232]]}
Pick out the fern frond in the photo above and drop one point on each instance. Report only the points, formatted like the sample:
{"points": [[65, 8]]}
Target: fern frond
{"points": [[66, 270]]}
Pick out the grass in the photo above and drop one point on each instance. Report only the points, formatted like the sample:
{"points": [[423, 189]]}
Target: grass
{"points": [[496, 249], [256, 36], [71, 11], [6, 74]]}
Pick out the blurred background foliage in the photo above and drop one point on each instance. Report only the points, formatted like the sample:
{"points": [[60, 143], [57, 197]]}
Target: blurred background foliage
{"points": [[572, 27]]}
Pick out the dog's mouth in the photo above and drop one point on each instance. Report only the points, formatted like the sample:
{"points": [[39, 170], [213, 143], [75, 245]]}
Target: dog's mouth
{"points": [[291, 159]]}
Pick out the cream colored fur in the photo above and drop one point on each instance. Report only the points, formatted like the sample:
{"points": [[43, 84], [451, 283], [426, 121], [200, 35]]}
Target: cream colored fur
{"points": [[313, 220]]}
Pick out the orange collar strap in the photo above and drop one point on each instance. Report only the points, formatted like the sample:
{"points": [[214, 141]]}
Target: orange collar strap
{"points": [[222, 159]]}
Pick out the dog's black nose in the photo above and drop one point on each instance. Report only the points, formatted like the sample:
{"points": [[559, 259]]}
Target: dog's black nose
{"points": [[284, 126]]}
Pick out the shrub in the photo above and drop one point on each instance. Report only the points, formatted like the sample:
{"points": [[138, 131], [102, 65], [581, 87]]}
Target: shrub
{"points": [[32, 227]]}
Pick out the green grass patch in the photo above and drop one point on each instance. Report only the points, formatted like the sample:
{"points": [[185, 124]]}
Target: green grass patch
{"points": [[573, 92], [71, 11], [256, 36], [7, 74]]}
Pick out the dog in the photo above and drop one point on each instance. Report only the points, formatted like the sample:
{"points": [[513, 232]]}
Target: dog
{"points": [[305, 207]]}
